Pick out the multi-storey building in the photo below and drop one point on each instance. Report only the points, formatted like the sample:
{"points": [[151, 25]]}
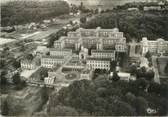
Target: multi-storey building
{"points": [[159, 46], [103, 54], [49, 80], [28, 64], [94, 38], [98, 63], [52, 61], [59, 44], [60, 52]]}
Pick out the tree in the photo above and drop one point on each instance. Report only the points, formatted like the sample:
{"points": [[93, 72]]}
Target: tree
{"points": [[150, 75], [6, 48], [133, 69], [166, 68], [3, 79], [141, 83], [11, 17], [123, 108], [130, 98], [29, 56], [43, 73], [2, 64], [154, 88], [5, 108], [22, 48], [148, 55], [115, 76], [44, 94], [141, 105], [113, 65], [16, 64], [63, 111], [16, 79], [83, 20]]}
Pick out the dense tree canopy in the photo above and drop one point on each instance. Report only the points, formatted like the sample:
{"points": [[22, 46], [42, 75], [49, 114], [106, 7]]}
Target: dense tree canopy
{"points": [[21, 12], [101, 98], [166, 68], [135, 24]]}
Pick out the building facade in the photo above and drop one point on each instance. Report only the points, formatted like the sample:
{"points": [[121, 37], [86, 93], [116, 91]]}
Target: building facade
{"points": [[59, 44], [52, 61], [159, 46], [103, 54], [28, 64], [60, 52], [49, 80], [94, 38], [98, 63]]}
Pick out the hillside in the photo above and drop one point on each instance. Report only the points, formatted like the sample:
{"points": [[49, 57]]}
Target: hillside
{"points": [[21, 12], [135, 25]]}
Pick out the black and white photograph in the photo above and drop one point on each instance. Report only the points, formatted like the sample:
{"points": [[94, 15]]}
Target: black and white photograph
{"points": [[83, 58]]}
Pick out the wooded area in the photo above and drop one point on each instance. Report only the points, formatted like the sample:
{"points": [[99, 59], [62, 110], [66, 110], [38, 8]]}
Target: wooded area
{"points": [[21, 12]]}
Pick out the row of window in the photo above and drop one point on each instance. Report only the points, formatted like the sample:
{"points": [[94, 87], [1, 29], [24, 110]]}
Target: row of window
{"points": [[51, 62], [98, 62]]}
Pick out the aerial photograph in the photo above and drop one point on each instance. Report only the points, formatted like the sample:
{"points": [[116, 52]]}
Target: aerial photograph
{"points": [[83, 58]]}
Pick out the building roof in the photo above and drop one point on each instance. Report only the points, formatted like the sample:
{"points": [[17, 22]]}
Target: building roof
{"points": [[53, 57], [99, 29], [26, 61], [55, 49]]}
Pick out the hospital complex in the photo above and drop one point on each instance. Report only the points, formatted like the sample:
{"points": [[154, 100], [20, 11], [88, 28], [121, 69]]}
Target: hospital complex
{"points": [[72, 51]]}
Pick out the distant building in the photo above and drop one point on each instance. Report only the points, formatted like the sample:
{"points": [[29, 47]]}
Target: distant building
{"points": [[149, 8], [133, 9], [98, 63], [52, 61], [159, 46]]}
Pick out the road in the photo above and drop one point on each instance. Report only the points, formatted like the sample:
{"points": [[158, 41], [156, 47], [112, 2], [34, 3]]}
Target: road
{"points": [[155, 68]]}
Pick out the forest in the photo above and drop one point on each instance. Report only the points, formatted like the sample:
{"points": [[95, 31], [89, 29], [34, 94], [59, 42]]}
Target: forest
{"points": [[134, 24], [21, 12], [100, 97]]}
